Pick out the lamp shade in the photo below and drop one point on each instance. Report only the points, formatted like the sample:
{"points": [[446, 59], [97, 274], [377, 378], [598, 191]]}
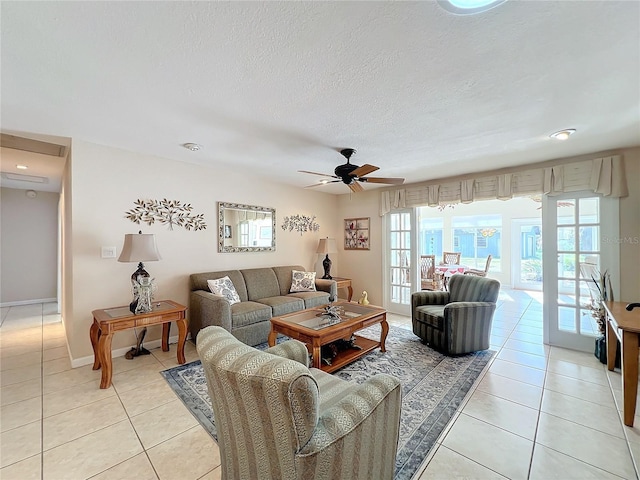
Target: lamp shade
{"points": [[139, 247], [327, 245]]}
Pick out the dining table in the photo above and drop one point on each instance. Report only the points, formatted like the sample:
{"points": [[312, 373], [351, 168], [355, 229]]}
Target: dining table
{"points": [[448, 269]]}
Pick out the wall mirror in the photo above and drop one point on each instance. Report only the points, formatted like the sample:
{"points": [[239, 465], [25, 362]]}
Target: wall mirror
{"points": [[246, 228]]}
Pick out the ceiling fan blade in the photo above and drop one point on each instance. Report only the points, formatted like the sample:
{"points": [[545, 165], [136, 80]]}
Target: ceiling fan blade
{"points": [[355, 187], [363, 170], [390, 181], [320, 184], [316, 173]]}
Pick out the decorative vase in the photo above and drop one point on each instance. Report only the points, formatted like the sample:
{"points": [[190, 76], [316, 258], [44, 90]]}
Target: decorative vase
{"points": [[144, 289]]}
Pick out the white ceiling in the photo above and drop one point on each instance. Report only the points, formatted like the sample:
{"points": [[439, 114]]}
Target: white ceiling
{"points": [[276, 87]]}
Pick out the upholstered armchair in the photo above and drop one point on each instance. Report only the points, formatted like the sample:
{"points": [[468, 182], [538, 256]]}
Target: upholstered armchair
{"points": [[458, 321], [278, 419]]}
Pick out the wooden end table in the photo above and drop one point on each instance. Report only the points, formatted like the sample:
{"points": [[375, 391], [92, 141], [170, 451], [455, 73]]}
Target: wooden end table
{"points": [[344, 283], [311, 327], [107, 321]]}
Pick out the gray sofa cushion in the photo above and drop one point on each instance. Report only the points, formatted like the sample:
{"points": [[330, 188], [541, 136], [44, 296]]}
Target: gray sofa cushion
{"points": [[248, 313], [261, 283], [312, 299], [282, 305], [431, 315]]}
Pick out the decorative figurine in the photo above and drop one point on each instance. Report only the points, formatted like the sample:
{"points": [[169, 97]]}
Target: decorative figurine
{"points": [[363, 299]]}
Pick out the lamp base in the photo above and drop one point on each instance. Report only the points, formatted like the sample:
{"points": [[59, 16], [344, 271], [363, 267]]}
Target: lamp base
{"points": [[326, 264], [140, 272], [138, 349]]}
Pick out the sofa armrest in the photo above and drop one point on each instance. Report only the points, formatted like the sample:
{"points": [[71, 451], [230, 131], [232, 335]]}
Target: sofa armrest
{"points": [[207, 309], [367, 410], [467, 326], [291, 349], [428, 297], [329, 286]]}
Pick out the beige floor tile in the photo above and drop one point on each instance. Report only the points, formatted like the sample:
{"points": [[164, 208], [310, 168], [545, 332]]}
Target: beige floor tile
{"points": [[23, 360], [174, 418], [447, 464], [70, 425], [187, 456], [74, 397], [104, 449], [56, 366], [533, 348], [581, 358], [215, 474], [138, 468], [548, 464], [477, 441], [137, 377], [502, 413], [497, 341], [173, 361], [70, 378], [523, 358], [579, 388], [27, 469], [11, 351], [55, 353], [532, 376], [526, 337], [153, 395], [19, 392], [509, 389], [585, 444], [121, 364], [49, 343], [500, 332], [21, 337], [17, 414], [20, 443], [20, 374], [599, 417], [581, 372]]}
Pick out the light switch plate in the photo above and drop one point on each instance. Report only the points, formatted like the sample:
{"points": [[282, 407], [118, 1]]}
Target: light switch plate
{"points": [[108, 252]]}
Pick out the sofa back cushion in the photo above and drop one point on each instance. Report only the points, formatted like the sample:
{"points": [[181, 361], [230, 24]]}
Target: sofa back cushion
{"points": [[198, 281], [261, 283], [469, 288], [284, 277]]}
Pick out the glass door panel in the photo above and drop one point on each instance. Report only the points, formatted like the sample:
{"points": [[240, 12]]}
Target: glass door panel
{"points": [[400, 261]]}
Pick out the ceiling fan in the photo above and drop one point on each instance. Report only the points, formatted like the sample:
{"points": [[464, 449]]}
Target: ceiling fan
{"points": [[350, 174]]}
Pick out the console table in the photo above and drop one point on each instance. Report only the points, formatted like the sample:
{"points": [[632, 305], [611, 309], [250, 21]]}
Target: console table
{"points": [[107, 321], [624, 325], [344, 283]]}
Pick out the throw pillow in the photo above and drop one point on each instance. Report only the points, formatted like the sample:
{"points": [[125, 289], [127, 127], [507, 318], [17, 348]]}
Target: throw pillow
{"points": [[224, 287], [303, 281]]}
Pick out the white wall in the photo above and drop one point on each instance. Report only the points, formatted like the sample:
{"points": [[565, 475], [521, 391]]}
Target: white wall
{"points": [[28, 246], [106, 181]]}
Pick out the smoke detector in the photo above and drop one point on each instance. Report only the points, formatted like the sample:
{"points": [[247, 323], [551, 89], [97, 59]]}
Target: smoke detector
{"points": [[194, 147]]}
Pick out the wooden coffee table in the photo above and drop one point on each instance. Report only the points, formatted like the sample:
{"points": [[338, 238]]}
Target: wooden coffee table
{"points": [[315, 329]]}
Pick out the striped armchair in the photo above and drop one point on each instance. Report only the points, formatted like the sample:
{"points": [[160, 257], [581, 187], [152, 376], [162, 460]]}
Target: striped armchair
{"points": [[458, 321], [278, 419]]}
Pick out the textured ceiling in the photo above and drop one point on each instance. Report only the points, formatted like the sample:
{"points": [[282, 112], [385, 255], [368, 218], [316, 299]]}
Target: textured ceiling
{"points": [[272, 88]]}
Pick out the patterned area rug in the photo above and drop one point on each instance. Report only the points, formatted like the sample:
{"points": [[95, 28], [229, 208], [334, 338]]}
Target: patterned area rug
{"points": [[433, 386]]}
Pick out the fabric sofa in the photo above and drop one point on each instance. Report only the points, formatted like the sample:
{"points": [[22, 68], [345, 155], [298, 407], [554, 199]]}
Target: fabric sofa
{"points": [[278, 419], [263, 292], [458, 321]]}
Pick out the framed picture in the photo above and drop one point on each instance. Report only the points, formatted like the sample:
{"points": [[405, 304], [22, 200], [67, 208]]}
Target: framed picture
{"points": [[227, 231], [356, 233]]}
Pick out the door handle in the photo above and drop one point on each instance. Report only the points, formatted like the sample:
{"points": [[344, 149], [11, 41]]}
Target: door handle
{"points": [[631, 306]]}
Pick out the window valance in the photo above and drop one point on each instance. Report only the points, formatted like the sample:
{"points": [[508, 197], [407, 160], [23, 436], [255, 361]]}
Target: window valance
{"points": [[600, 175]]}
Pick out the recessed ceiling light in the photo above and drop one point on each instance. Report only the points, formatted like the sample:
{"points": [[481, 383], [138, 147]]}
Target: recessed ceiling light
{"points": [[468, 7], [21, 167], [563, 134], [194, 147]]}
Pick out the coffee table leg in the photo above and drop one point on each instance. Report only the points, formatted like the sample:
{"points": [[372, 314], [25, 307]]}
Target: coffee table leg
{"points": [[166, 329], [272, 337], [104, 347], [383, 334], [182, 337], [94, 334], [317, 356]]}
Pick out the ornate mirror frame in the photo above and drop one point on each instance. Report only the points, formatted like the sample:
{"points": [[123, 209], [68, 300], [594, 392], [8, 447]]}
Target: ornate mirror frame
{"points": [[239, 224]]}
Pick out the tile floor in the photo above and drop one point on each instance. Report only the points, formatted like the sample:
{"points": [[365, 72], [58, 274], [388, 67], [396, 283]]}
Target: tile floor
{"points": [[538, 412]]}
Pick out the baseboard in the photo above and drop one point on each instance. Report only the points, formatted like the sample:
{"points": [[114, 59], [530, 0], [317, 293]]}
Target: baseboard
{"points": [[80, 362], [28, 302]]}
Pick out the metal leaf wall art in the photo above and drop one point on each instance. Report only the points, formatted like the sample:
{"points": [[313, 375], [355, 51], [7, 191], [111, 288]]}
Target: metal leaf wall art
{"points": [[166, 212], [300, 223]]}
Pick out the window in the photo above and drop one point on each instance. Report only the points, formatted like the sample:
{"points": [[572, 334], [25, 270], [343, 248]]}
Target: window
{"points": [[477, 237]]}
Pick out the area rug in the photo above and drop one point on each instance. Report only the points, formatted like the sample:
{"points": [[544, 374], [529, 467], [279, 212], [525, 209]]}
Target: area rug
{"points": [[433, 387]]}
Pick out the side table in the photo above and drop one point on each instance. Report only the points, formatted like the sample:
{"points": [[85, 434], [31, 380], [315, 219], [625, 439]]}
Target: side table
{"points": [[107, 321], [344, 283]]}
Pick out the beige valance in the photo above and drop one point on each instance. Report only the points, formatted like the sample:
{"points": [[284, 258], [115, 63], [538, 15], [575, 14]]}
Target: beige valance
{"points": [[600, 175]]}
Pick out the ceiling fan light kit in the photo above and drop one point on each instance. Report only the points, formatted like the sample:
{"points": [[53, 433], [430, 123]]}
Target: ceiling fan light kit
{"points": [[351, 174]]}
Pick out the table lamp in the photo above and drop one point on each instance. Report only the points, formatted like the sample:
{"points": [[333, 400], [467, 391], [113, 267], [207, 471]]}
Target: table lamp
{"points": [[327, 246], [140, 247]]}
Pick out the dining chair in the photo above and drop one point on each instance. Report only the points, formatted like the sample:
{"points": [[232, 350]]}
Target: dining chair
{"points": [[480, 273], [451, 258], [429, 279]]}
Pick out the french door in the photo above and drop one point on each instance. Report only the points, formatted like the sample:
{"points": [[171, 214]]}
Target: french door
{"points": [[401, 261], [573, 227]]}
